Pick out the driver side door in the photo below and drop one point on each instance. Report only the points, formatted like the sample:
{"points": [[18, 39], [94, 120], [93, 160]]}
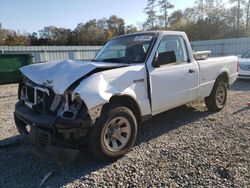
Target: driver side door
{"points": [[175, 83]]}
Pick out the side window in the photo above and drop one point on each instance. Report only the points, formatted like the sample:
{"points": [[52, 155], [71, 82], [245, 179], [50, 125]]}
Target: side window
{"points": [[175, 44]]}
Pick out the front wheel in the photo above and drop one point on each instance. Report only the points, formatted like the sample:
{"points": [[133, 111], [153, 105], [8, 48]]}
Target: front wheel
{"points": [[114, 133], [218, 97]]}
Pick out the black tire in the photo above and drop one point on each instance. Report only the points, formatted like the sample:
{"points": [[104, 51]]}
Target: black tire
{"points": [[100, 143], [216, 101], [20, 125]]}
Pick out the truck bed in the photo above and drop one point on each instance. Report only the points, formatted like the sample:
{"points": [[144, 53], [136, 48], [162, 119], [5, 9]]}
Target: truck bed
{"points": [[211, 67]]}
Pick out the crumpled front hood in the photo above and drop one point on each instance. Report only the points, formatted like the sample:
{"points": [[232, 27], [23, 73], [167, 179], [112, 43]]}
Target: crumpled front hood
{"points": [[60, 75]]}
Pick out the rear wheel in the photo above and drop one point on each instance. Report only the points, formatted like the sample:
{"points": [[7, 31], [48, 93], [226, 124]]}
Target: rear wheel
{"points": [[218, 97], [114, 133]]}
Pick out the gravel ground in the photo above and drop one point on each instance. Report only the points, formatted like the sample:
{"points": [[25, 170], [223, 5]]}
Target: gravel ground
{"points": [[185, 147]]}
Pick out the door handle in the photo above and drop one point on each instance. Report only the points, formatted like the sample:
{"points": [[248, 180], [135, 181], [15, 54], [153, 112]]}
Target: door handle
{"points": [[192, 71], [138, 81]]}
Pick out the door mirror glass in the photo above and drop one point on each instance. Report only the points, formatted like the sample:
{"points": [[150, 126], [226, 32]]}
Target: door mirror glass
{"points": [[166, 58]]}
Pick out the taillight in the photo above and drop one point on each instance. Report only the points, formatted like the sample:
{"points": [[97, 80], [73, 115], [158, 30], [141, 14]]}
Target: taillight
{"points": [[238, 66]]}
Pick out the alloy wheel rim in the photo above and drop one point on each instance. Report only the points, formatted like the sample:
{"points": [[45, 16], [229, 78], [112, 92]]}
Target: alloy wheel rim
{"points": [[220, 96], [117, 134]]}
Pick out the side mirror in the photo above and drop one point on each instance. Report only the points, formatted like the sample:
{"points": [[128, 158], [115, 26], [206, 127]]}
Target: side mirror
{"points": [[166, 58]]}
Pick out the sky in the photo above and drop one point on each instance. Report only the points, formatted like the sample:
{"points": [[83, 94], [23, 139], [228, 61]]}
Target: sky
{"points": [[33, 15]]}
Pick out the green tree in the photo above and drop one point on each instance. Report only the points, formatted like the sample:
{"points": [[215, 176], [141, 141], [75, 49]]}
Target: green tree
{"points": [[88, 33], [3, 35], [116, 25], [150, 11], [164, 6], [176, 17], [16, 39], [52, 35], [200, 7], [130, 29], [33, 38], [239, 12], [95, 32], [177, 21], [247, 14], [190, 15]]}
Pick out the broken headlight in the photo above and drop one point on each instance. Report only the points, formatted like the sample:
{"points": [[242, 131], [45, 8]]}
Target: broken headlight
{"points": [[71, 106], [77, 101], [21, 88]]}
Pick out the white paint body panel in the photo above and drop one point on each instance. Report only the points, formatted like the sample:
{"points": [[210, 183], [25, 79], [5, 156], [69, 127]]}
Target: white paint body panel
{"points": [[172, 86], [116, 82], [212, 67]]}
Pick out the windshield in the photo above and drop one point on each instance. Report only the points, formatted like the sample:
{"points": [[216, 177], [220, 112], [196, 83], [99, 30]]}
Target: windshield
{"points": [[126, 49], [246, 54]]}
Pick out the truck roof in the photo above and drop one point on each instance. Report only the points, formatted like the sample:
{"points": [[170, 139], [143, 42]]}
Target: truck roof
{"points": [[163, 32]]}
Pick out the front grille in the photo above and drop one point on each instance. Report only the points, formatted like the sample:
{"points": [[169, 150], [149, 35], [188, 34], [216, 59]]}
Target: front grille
{"points": [[38, 98], [245, 67], [30, 94]]}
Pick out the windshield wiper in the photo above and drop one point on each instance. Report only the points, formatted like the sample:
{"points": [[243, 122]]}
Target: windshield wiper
{"points": [[115, 60]]}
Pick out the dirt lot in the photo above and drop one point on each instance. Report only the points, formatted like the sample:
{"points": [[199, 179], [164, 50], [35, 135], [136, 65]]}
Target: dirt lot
{"points": [[185, 147]]}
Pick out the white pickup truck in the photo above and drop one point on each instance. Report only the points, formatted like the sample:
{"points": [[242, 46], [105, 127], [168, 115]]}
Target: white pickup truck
{"points": [[101, 103]]}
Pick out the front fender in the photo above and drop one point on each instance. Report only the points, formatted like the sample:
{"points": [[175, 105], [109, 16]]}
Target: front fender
{"points": [[95, 91]]}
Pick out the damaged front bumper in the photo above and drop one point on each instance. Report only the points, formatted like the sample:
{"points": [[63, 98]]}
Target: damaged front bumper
{"points": [[59, 137]]}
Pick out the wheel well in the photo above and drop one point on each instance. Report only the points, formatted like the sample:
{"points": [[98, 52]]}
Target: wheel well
{"points": [[128, 102], [223, 76]]}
